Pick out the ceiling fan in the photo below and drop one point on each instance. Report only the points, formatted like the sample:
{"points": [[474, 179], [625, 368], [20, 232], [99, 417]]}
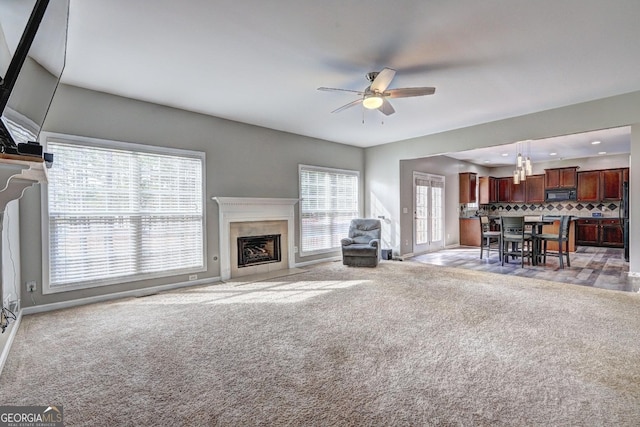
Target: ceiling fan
{"points": [[376, 94]]}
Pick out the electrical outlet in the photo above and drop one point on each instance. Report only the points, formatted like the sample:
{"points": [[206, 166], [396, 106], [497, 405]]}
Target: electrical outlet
{"points": [[193, 277], [31, 286], [295, 249]]}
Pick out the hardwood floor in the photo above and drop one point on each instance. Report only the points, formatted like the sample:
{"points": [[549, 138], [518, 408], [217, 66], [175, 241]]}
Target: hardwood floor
{"points": [[590, 266]]}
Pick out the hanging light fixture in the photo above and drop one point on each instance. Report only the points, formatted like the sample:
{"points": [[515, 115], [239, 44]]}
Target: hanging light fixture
{"points": [[524, 167], [528, 168]]}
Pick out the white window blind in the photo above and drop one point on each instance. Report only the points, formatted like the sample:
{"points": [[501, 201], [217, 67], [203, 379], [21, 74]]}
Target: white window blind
{"points": [[329, 200], [120, 213]]}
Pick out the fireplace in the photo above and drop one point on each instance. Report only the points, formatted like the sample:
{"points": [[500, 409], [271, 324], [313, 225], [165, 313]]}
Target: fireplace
{"points": [[252, 217], [255, 250]]}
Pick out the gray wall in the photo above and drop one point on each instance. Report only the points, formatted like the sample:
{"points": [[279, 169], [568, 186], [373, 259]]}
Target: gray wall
{"points": [[241, 161], [382, 187]]}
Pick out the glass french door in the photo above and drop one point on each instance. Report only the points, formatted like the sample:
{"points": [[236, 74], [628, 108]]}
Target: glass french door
{"points": [[428, 212]]}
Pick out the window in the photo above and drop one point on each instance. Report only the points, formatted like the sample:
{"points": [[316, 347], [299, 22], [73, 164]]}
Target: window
{"points": [[328, 202], [120, 212]]}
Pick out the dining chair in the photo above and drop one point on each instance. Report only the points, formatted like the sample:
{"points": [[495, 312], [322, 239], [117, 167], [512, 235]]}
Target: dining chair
{"points": [[561, 238], [516, 242], [489, 237]]}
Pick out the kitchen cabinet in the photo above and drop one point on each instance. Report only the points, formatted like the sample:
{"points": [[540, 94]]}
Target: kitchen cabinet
{"points": [[487, 190], [561, 177], [504, 189], [518, 191], [599, 232], [470, 232], [587, 231], [535, 189], [611, 184], [589, 186], [600, 185], [611, 233], [468, 184]]}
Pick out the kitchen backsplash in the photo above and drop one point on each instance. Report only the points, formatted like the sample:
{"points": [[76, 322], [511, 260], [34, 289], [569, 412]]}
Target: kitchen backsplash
{"points": [[578, 209]]}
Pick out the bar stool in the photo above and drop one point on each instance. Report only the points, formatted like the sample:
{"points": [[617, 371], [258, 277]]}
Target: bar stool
{"points": [[514, 235], [487, 237], [561, 237]]}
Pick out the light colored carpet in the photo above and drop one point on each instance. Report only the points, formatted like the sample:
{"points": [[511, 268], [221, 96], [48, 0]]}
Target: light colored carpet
{"points": [[402, 344]]}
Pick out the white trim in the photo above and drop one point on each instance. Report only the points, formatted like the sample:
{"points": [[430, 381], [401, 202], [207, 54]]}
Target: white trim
{"points": [[318, 261], [429, 246], [246, 209], [118, 295], [7, 346]]}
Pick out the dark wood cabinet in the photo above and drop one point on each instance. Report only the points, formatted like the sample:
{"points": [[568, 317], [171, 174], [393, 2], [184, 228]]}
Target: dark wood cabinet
{"points": [[468, 183], [611, 184], [518, 191], [587, 232], [611, 233], [592, 186], [561, 177], [487, 190], [589, 186], [599, 232], [600, 185], [535, 189], [504, 189]]}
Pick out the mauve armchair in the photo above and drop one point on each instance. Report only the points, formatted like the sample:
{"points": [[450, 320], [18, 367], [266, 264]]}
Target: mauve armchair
{"points": [[362, 247]]}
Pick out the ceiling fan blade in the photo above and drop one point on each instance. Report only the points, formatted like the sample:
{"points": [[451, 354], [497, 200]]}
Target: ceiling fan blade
{"points": [[349, 105], [333, 89], [382, 80], [386, 108], [406, 92]]}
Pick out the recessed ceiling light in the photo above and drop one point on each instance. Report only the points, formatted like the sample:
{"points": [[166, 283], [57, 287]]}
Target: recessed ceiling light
{"points": [[553, 154], [595, 143], [602, 152], [504, 154], [487, 161]]}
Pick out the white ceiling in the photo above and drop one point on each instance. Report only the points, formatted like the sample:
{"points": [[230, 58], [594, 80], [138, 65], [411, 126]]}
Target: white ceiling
{"points": [[261, 62]]}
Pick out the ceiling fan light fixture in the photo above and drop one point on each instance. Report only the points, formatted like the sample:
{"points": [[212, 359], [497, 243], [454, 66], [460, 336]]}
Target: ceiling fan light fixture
{"points": [[372, 102]]}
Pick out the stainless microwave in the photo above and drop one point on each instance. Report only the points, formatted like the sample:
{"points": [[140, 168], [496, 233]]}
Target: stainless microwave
{"points": [[560, 194]]}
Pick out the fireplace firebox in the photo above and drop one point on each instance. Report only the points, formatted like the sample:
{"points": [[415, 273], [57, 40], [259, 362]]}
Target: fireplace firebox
{"points": [[254, 250]]}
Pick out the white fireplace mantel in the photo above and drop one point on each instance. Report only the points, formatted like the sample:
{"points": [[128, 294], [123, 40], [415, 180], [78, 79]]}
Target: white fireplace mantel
{"points": [[246, 209]]}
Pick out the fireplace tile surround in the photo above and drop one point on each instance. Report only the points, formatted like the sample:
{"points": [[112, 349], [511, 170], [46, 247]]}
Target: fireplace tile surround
{"points": [[254, 216]]}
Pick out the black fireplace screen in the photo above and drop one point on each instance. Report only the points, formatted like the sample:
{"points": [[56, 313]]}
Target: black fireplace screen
{"points": [[254, 250]]}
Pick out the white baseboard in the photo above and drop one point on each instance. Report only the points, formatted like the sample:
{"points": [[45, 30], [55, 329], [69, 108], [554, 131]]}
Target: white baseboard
{"points": [[7, 347], [318, 261], [118, 295]]}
